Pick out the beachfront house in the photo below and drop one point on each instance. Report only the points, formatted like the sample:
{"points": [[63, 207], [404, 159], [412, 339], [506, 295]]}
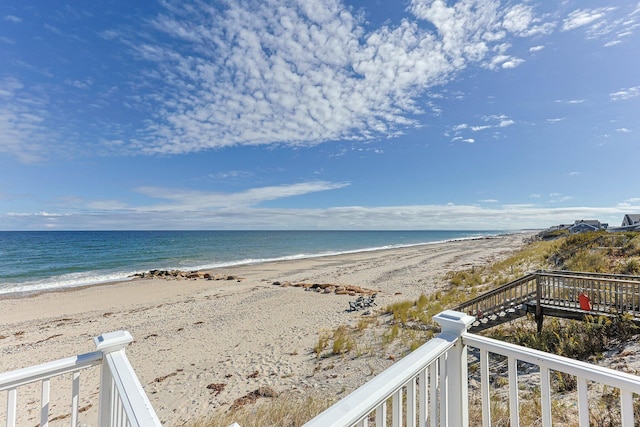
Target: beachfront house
{"points": [[583, 226], [631, 220], [579, 226], [439, 384]]}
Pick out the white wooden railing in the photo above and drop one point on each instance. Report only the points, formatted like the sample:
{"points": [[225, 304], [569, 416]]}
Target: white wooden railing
{"points": [[430, 386], [122, 401]]}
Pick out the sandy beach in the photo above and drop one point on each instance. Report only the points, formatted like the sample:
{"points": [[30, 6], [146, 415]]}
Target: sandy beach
{"points": [[239, 334]]}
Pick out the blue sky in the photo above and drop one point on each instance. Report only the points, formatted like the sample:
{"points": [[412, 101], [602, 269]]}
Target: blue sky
{"points": [[276, 114]]}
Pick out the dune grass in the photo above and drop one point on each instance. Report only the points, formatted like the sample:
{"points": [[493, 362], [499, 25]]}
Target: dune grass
{"points": [[282, 411]]}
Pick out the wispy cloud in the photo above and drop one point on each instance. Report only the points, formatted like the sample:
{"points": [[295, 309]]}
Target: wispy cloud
{"points": [[558, 198], [495, 121], [21, 122], [409, 217], [13, 19], [571, 101], [624, 94], [253, 73], [614, 24], [188, 200], [581, 17]]}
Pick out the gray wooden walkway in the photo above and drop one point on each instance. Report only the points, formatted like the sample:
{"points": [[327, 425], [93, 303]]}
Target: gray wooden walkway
{"points": [[555, 293]]}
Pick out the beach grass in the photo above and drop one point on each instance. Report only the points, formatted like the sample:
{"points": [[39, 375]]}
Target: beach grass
{"points": [[284, 410]]}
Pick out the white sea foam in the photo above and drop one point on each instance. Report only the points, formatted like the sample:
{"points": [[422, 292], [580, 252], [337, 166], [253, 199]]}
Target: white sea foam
{"points": [[99, 277]]}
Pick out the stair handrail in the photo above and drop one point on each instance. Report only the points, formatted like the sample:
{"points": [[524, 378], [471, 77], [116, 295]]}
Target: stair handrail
{"points": [[497, 291], [590, 274]]}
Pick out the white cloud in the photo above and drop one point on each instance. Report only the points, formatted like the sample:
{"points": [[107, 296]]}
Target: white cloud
{"points": [[495, 121], [469, 140], [536, 48], [79, 84], [512, 62], [634, 200], [518, 19], [181, 200], [449, 216], [21, 122], [13, 19], [612, 43], [623, 130], [616, 24], [571, 101], [582, 17], [558, 198], [624, 94], [256, 73]]}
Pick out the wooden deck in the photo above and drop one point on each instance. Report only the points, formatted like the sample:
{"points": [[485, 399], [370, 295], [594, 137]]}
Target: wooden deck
{"points": [[555, 293]]}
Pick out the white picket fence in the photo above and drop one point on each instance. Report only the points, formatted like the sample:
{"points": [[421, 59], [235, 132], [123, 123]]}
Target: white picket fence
{"points": [[122, 401]]}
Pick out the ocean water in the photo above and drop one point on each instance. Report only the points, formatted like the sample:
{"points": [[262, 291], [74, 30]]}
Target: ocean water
{"points": [[32, 261]]}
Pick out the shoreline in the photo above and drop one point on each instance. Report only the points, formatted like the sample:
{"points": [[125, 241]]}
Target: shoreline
{"points": [[189, 334], [130, 275]]}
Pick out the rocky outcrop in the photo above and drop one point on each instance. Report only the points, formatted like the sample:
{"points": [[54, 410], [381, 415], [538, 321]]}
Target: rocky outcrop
{"points": [[329, 288], [184, 275]]}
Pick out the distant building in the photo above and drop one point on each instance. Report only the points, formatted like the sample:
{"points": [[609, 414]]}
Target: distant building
{"points": [[583, 226], [630, 220], [579, 226]]}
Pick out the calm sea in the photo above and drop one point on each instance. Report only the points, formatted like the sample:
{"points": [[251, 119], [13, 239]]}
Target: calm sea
{"points": [[37, 260]]}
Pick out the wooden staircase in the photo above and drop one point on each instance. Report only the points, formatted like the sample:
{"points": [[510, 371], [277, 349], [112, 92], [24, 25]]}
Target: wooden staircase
{"points": [[555, 293]]}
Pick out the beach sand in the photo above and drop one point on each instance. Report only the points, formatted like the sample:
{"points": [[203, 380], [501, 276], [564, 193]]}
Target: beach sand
{"points": [[234, 334]]}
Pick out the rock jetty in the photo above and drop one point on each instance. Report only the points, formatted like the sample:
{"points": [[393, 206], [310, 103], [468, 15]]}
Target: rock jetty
{"points": [[183, 275], [329, 288]]}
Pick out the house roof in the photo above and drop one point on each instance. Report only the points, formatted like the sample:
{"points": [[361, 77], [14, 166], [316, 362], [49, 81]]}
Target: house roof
{"points": [[633, 218]]}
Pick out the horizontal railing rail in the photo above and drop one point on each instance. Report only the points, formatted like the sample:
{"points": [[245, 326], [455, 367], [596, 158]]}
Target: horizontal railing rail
{"points": [[589, 274], [11, 381], [123, 401], [516, 292], [440, 369], [587, 375], [19, 377], [425, 386], [607, 293]]}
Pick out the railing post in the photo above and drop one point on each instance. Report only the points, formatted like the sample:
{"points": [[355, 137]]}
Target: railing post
{"points": [[457, 388], [539, 314], [108, 343]]}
